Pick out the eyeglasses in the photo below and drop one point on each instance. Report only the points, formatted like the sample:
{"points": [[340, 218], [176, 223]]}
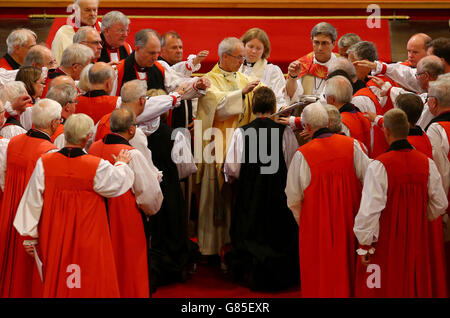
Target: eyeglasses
{"points": [[101, 43], [418, 74], [239, 57]]}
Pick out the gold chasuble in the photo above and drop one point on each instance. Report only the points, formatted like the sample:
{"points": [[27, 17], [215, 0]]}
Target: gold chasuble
{"points": [[222, 108]]}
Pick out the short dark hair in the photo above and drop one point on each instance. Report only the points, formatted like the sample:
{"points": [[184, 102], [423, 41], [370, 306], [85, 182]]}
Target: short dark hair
{"points": [[412, 105], [168, 34], [264, 100], [441, 48], [364, 50]]}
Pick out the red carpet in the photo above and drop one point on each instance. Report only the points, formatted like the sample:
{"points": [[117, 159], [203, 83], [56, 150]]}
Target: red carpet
{"points": [[290, 38], [210, 282]]}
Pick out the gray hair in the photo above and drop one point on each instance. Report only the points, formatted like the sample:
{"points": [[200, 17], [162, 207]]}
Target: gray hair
{"points": [[122, 119], [101, 76], [114, 17], [35, 55], [364, 50], [228, 45], [440, 89], [44, 112], [339, 87], [133, 90], [335, 118], [315, 115], [82, 33], [432, 65], [11, 90], [348, 39], [62, 93], [142, 36], [76, 54], [77, 127], [18, 38], [83, 83], [343, 64], [325, 29]]}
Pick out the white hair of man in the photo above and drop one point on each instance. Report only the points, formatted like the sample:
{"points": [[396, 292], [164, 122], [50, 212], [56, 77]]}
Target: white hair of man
{"points": [[228, 45], [343, 64], [12, 90], [440, 89], [18, 38], [324, 28], [77, 127], [315, 115], [335, 118], [339, 87], [35, 55], [348, 39], [133, 90], [62, 93], [83, 83], [44, 112], [76, 54], [114, 17], [432, 65]]}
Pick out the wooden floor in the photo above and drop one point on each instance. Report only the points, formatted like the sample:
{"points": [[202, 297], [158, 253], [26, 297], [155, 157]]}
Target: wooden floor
{"points": [[400, 32]]}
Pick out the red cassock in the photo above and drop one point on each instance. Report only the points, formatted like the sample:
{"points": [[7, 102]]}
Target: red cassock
{"points": [[74, 238], [407, 253], [18, 274], [359, 127], [96, 104], [127, 229], [327, 244], [58, 132], [103, 127]]}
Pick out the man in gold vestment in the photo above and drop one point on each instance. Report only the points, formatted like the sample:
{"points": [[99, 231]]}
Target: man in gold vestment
{"points": [[226, 106]]}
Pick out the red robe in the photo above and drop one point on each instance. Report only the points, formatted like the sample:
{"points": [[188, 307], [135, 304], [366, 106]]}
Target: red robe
{"points": [[406, 252], [327, 244], [358, 125], [59, 131], [127, 229], [73, 229], [8, 63], [17, 270], [103, 127], [96, 104]]}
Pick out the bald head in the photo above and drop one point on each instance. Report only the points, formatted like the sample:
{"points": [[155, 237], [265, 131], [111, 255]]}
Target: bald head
{"points": [[417, 47], [101, 76], [62, 79]]}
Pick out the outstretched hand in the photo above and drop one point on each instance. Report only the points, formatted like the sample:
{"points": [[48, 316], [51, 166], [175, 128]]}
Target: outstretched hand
{"points": [[200, 57]]}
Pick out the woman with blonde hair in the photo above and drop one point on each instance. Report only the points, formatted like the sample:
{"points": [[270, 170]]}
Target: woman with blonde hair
{"points": [[257, 50]]}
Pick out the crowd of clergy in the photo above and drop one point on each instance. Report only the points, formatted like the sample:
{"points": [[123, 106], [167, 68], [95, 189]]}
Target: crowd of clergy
{"points": [[119, 174]]}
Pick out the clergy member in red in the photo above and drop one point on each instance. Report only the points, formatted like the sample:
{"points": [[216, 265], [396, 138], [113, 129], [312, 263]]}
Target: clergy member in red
{"points": [[19, 42], [323, 191], [127, 229], [439, 133], [115, 30], [64, 209], [402, 193], [16, 275]]}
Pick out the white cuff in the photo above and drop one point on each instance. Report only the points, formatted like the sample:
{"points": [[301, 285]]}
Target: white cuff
{"points": [[378, 69], [190, 64], [361, 252], [30, 242]]}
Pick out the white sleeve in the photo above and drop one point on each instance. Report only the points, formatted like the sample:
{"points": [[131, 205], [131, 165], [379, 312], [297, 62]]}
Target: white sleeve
{"points": [[373, 202], [298, 179], [345, 130], [156, 106], [25, 118], [297, 94], [7, 76], [437, 198], [112, 181], [11, 131], [273, 77], [425, 118], [146, 187], [232, 165], [290, 145], [182, 155], [360, 160], [230, 105], [405, 76], [139, 141], [364, 104], [30, 207], [3, 151], [173, 79], [440, 145], [186, 68], [60, 141]]}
